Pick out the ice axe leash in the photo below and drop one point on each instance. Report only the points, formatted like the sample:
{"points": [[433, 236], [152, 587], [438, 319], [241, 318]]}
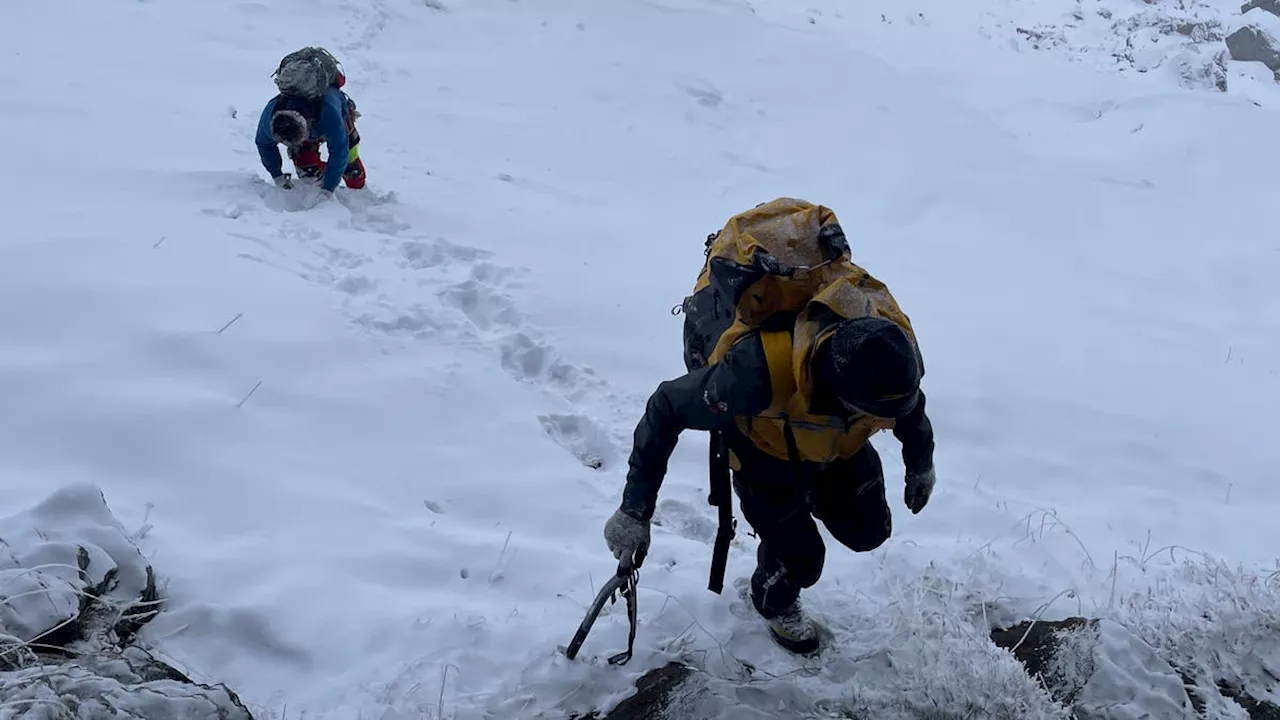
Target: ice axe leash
{"points": [[623, 582]]}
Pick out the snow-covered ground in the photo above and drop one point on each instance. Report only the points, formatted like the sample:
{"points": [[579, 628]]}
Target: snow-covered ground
{"points": [[375, 442]]}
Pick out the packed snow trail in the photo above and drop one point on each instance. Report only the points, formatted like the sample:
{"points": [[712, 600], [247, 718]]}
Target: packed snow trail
{"points": [[366, 434]]}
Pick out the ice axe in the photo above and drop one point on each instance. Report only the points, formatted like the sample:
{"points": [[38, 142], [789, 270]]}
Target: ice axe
{"points": [[624, 582]]}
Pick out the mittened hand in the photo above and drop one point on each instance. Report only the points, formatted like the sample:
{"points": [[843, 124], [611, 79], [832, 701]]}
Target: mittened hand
{"points": [[919, 488], [284, 181]]}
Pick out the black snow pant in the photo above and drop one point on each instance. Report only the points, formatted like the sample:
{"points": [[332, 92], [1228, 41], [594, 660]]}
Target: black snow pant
{"points": [[848, 496]]}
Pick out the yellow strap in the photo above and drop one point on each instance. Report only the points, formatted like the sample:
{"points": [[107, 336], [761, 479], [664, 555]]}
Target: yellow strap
{"points": [[777, 353]]}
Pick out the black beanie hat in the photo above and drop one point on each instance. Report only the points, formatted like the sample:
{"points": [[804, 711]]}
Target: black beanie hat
{"points": [[871, 364]]}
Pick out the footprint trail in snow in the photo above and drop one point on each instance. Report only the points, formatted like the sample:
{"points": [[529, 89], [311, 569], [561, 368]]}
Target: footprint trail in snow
{"points": [[402, 284]]}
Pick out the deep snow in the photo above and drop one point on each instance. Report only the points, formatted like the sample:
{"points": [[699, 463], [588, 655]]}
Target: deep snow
{"points": [[369, 492]]}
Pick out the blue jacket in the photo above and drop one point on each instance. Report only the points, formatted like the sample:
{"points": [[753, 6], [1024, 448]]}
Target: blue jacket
{"points": [[328, 124]]}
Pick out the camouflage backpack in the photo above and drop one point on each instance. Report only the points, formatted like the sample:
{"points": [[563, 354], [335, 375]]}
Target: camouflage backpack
{"points": [[308, 73]]}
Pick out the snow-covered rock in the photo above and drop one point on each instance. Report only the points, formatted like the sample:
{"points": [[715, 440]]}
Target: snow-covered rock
{"points": [[130, 685], [666, 693], [1257, 41], [1099, 668], [1197, 67], [61, 555], [1128, 679], [1184, 39], [1271, 6], [1209, 649], [1220, 629], [74, 590]]}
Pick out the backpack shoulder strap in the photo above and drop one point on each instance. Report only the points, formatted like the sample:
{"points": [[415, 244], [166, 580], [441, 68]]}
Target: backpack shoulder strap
{"points": [[777, 354]]}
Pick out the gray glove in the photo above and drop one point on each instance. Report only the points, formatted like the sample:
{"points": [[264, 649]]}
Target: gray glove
{"points": [[284, 181], [919, 488], [627, 537]]}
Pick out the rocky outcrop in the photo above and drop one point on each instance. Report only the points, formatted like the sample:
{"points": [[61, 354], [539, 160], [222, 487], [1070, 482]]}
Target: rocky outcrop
{"points": [[74, 592]]}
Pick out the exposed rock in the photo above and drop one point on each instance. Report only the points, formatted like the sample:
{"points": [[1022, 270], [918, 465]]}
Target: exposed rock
{"points": [[680, 692], [1038, 647], [1227, 696], [1257, 709], [1253, 44], [658, 693], [1271, 6]]}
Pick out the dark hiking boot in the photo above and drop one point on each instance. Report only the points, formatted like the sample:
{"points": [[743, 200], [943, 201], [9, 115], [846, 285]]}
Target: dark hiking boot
{"points": [[794, 631]]}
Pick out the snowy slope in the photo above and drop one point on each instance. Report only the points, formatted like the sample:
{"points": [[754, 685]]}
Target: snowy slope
{"points": [[362, 433]]}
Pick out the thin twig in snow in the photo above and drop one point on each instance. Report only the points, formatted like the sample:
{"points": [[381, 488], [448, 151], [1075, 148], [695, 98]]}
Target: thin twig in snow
{"points": [[444, 675], [1115, 574], [251, 392], [496, 575], [230, 323]]}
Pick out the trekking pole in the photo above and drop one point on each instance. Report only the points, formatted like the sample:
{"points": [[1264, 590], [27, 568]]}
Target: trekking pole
{"points": [[624, 582]]}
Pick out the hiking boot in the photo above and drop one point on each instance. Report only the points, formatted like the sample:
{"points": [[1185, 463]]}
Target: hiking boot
{"points": [[794, 631]]}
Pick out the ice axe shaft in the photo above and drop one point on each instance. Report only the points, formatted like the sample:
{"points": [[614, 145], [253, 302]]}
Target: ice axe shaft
{"points": [[623, 581]]}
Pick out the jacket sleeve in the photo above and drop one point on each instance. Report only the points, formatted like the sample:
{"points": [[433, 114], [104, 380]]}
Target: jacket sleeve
{"points": [[915, 432], [267, 149], [334, 130], [705, 399]]}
